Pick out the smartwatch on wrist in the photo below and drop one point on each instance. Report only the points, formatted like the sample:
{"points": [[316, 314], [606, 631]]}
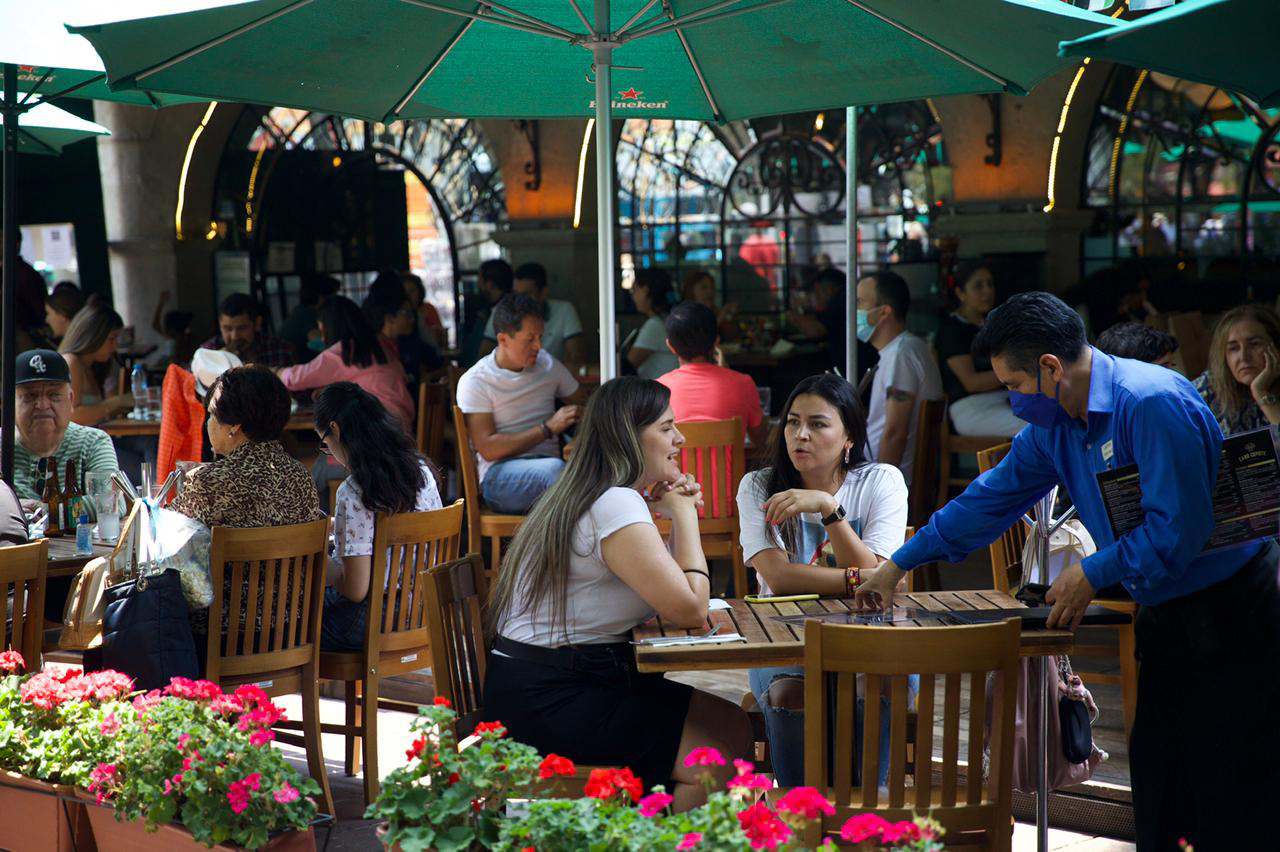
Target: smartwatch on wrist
{"points": [[1269, 400], [838, 515]]}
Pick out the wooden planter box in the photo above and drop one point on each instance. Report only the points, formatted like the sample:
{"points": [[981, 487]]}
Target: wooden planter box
{"points": [[41, 817], [112, 835]]}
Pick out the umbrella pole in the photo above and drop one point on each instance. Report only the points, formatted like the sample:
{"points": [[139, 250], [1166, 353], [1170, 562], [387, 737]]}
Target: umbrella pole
{"points": [[603, 52], [8, 305], [851, 242]]}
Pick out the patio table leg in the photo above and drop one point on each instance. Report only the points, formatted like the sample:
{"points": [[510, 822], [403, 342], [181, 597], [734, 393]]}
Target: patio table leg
{"points": [[1042, 760]]}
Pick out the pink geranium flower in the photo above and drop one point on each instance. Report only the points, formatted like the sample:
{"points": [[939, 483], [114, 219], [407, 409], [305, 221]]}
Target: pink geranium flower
{"points": [[762, 827], [805, 802], [286, 794], [654, 804], [689, 841], [864, 827], [704, 756]]}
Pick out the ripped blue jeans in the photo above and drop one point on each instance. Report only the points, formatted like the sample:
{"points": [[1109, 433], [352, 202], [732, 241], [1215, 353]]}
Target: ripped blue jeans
{"points": [[785, 728]]}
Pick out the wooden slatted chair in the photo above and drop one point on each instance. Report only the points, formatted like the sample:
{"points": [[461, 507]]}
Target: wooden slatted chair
{"points": [[460, 653], [715, 453], [1006, 570], [974, 816], [22, 582], [433, 415], [481, 522], [398, 641], [287, 564]]}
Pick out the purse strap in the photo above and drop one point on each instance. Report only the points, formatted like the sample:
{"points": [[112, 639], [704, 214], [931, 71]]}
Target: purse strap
{"points": [[124, 558]]}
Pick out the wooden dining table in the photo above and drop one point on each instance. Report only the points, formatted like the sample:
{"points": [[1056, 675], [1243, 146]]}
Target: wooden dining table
{"points": [[63, 559], [302, 420], [769, 642]]}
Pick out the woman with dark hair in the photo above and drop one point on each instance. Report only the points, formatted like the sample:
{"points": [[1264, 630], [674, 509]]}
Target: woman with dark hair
{"points": [[252, 482], [979, 404], [387, 475], [586, 567], [89, 346], [61, 306], [811, 521], [353, 353], [648, 353]]}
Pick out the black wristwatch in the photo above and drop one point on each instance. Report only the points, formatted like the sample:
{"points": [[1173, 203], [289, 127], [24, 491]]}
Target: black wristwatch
{"points": [[546, 431], [838, 515]]}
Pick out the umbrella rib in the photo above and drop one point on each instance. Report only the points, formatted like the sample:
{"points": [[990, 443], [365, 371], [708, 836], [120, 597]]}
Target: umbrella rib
{"points": [[493, 19], [702, 81], [581, 16], [31, 137], [538, 22], [663, 24], [646, 7], [434, 65], [703, 16], [70, 89], [973, 66], [33, 89], [225, 37]]}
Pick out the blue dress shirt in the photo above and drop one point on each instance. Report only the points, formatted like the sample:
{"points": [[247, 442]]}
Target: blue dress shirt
{"points": [[1138, 414]]}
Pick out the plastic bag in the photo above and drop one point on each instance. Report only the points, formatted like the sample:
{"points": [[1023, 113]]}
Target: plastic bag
{"points": [[169, 540]]}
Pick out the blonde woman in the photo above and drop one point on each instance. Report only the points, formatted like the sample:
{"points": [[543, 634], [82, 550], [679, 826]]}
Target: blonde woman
{"points": [[1243, 377], [585, 568], [89, 347]]}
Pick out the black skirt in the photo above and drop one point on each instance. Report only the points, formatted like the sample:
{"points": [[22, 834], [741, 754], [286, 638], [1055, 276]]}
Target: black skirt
{"points": [[589, 704]]}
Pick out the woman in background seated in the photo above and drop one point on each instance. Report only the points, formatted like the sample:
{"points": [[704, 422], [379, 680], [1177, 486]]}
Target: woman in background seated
{"points": [[1244, 369], [387, 475], [586, 567], [811, 521], [253, 482], [89, 346], [979, 403], [60, 307], [649, 354]]}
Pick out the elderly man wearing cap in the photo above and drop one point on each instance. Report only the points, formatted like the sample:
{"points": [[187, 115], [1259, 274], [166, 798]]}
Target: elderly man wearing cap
{"points": [[43, 418]]}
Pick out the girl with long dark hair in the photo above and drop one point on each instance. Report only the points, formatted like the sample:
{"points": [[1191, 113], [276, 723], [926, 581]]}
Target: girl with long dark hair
{"points": [[387, 474], [648, 352], [587, 566], [811, 521], [354, 353]]}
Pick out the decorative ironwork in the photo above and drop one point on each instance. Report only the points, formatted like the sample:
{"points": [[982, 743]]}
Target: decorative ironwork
{"points": [[787, 171], [995, 139], [531, 132]]}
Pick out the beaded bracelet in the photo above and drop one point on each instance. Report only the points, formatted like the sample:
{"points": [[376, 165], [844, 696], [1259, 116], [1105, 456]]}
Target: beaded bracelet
{"points": [[852, 579]]}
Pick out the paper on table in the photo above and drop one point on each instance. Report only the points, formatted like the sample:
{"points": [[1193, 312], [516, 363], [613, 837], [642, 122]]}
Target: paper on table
{"points": [[691, 640], [718, 603]]}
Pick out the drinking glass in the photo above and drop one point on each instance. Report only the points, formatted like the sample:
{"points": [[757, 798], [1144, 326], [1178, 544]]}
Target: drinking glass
{"points": [[766, 399], [104, 499], [154, 397]]}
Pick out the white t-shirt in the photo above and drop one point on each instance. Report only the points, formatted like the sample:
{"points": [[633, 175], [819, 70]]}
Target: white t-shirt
{"points": [[517, 399], [653, 336], [874, 496], [906, 364], [353, 523], [599, 606], [560, 324]]}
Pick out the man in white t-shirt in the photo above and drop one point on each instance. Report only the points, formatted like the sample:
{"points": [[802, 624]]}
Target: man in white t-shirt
{"points": [[509, 399], [562, 330], [905, 374]]}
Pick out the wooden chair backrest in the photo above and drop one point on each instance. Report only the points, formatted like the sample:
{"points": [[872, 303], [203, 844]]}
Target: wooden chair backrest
{"points": [[1006, 551], [22, 582], [927, 466], [412, 542], [715, 453], [459, 653], [288, 564], [433, 413], [836, 654], [470, 475]]}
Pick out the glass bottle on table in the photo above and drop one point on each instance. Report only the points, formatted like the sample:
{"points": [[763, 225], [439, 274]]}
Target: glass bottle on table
{"points": [[72, 497], [52, 500]]}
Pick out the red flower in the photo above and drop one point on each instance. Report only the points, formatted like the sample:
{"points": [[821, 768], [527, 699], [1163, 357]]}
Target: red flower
{"points": [[441, 701], [862, 827], [195, 690], [749, 781], [494, 727], [261, 737], [415, 750], [905, 831], [604, 783], [11, 661], [454, 778], [805, 802], [554, 764], [238, 792], [704, 756], [689, 841], [762, 827], [654, 804]]}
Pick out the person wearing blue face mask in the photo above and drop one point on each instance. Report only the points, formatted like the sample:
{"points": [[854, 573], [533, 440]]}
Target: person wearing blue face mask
{"points": [[1208, 626], [905, 375]]}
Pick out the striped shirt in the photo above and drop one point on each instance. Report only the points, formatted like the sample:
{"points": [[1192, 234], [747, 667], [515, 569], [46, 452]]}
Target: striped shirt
{"points": [[91, 449]]}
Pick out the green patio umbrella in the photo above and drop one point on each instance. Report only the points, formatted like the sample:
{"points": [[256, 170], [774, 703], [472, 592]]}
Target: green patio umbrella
{"points": [[713, 60], [39, 62], [1227, 43], [45, 129]]}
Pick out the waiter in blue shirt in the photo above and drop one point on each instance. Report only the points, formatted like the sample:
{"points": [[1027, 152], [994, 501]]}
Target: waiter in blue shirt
{"points": [[1204, 751]]}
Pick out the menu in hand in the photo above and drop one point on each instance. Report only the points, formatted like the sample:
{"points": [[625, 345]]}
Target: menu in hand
{"points": [[1246, 499]]}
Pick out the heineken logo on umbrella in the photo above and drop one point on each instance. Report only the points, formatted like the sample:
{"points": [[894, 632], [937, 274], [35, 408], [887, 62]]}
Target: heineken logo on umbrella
{"points": [[633, 98]]}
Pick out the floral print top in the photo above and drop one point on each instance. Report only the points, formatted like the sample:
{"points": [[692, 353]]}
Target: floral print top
{"points": [[1247, 419], [353, 523]]}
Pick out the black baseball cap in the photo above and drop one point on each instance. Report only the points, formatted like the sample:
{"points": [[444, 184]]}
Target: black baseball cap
{"points": [[41, 365]]}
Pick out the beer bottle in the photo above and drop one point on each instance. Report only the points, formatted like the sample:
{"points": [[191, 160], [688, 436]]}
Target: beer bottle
{"points": [[72, 498], [52, 500]]}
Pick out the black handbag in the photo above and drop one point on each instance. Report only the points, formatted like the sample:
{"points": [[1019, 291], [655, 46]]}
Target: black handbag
{"points": [[1073, 720], [146, 633]]}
